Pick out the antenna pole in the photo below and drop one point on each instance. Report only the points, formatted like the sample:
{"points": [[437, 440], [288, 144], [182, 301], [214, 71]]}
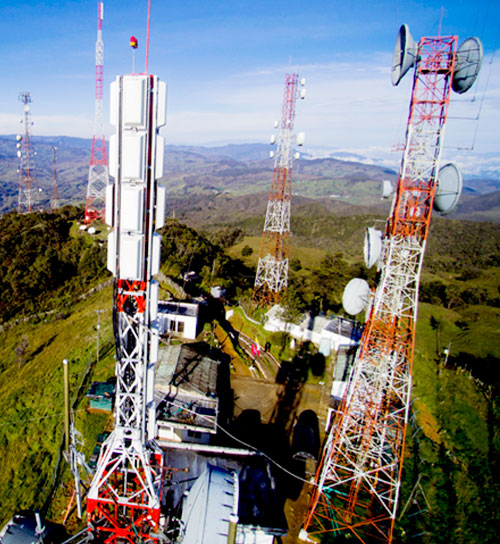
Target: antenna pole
{"points": [[147, 36], [66, 405]]}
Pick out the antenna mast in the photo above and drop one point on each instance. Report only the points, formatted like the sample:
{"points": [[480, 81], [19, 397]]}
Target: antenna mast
{"points": [[98, 170], [271, 279], [359, 475], [28, 197], [54, 203]]}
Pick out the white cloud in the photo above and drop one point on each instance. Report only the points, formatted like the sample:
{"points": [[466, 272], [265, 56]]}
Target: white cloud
{"points": [[49, 125]]}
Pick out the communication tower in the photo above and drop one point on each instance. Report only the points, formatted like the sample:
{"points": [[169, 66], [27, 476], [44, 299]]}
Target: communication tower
{"points": [[28, 197], [54, 203], [271, 279], [98, 170], [123, 503], [358, 478]]}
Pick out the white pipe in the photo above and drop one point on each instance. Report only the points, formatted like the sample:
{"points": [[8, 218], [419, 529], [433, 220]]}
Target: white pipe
{"points": [[204, 448]]}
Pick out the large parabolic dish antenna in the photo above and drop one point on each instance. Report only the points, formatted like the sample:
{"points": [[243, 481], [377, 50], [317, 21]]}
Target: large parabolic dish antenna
{"points": [[356, 296], [467, 65], [387, 188], [405, 54], [448, 188], [373, 246]]}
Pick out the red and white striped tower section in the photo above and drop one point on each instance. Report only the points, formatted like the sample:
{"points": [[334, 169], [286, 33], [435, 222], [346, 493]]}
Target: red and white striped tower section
{"points": [[28, 197], [54, 201], [98, 170], [358, 478], [123, 503], [271, 279]]}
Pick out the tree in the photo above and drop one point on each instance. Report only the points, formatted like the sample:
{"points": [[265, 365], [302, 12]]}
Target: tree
{"points": [[246, 251]]}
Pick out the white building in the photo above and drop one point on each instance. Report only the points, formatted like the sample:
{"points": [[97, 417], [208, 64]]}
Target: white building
{"points": [[328, 334], [178, 318]]}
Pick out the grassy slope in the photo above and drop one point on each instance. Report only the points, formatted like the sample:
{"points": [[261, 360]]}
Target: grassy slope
{"points": [[31, 396], [454, 442]]}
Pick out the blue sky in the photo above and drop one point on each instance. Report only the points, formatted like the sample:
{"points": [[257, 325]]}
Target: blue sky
{"points": [[224, 63]]}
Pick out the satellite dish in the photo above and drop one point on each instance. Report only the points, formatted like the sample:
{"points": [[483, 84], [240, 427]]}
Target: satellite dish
{"points": [[271, 154], [19, 137], [301, 138], [296, 155], [448, 188], [467, 65], [302, 81], [356, 296], [387, 188], [302, 93], [19, 154], [272, 140], [373, 246], [276, 124], [405, 54]]}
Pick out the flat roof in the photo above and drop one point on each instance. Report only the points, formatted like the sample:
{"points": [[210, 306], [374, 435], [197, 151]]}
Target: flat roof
{"points": [[188, 309]]}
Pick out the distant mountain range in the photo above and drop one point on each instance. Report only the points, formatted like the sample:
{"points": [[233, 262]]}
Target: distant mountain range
{"points": [[199, 174]]}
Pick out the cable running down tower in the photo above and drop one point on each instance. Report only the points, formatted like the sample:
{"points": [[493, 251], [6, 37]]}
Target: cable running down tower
{"points": [[359, 475], [271, 279]]}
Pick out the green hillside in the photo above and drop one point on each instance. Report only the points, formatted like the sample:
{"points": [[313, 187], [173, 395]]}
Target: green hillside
{"points": [[451, 474]]}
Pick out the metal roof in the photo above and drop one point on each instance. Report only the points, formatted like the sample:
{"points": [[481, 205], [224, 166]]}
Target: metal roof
{"points": [[208, 506]]}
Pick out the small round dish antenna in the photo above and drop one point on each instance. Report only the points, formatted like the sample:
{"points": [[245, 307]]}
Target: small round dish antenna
{"points": [[448, 188], [467, 65], [405, 54], [387, 188], [356, 296], [373, 246]]}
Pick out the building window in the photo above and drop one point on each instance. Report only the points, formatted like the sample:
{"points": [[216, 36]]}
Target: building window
{"points": [[180, 326]]}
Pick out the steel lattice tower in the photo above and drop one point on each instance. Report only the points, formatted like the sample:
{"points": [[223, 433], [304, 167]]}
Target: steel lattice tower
{"points": [[358, 478], [271, 279], [28, 196], [54, 203], [98, 170], [123, 503]]}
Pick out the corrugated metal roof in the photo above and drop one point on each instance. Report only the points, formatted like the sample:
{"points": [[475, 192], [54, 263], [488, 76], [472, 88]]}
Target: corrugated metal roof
{"points": [[206, 511]]}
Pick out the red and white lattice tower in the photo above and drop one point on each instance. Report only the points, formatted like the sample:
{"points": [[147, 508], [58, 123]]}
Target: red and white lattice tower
{"points": [[358, 478], [28, 190], [123, 503], [54, 202], [271, 279], [98, 170]]}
